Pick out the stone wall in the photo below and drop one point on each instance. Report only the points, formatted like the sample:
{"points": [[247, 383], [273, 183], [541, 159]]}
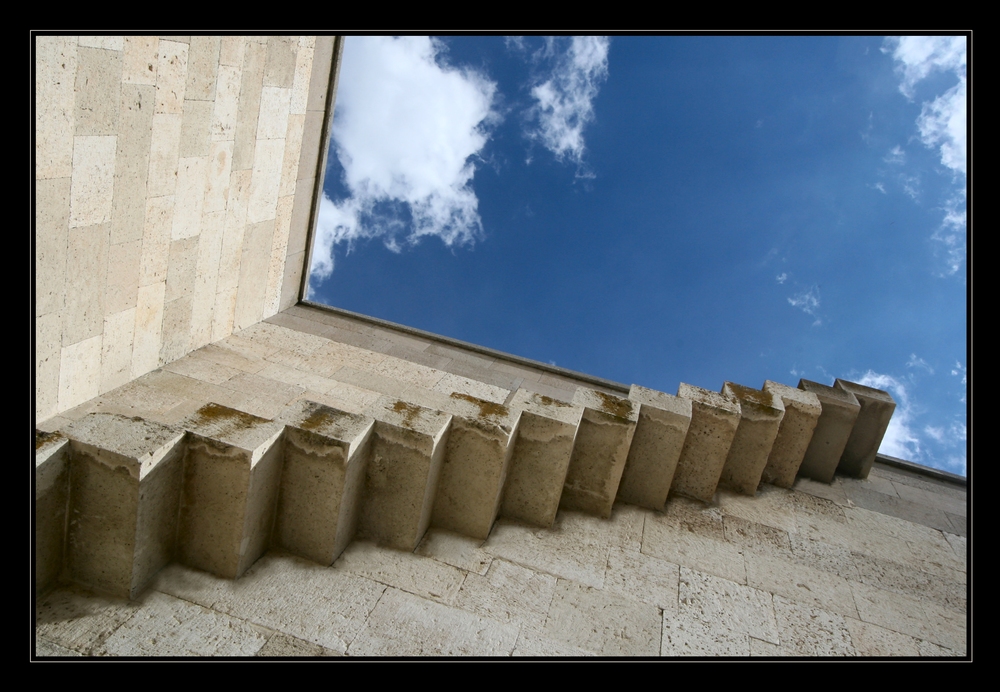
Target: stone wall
{"points": [[174, 181]]}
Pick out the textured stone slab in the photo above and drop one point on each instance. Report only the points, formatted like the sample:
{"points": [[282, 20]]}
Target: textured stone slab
{"points": [[543, 446], [684, 634], [660, 431], [455, 550], [689, 535], [869, 429], [714, 419], [802, 410], [475, 464], [326, 455], [509, 594], [408, 448], [742, 608], [78, 619], [811, 631], [406, 625], [125, 488], [840, 411], [642, 578], [605, 623], [231, 478], [599, 453], [52, 454], [415, 574], [760, 416]]}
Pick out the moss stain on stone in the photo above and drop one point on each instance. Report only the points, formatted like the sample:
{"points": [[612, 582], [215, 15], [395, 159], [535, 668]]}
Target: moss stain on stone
{"points": [[43, 438], [549, 401], [616, 406], [409, 411], [320, 417], [486, 408]]}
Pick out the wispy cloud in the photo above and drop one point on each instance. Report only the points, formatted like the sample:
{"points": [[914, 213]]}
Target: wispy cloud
{"points": [[808, 302], [895, 156], [941, 124], [408, 127], [916, 362], [959, 369], [900, 440], [781, 278], [564, 101], [880, 187]]}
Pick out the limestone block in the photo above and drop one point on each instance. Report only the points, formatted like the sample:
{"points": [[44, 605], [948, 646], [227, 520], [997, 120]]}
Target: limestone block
{"points": [[599, 453], [475, 464], [55, 71], [300, 81], [83, 316], [458, 551], [122, 283], [125, 478], [139, 60], [407, 450], [510, 594], [135, 123], [93, 180], [196, 124], [760, 416], [312, 139], [52, 454], [203, 65], [48, 352], [604, 623], [175, 331], [231, 50], [171, 76], [326, 455], [227, 103], [189, 198], [103, 42], [116, 351], [325, 51], [840, 411], [464, 385], [220, 161], [418, 575], [656, 446], [79, 372], [877, 407], [802, 411], [164, 153], [148, 323], [98, 85], [742, 608], [249, 106], [206, 277], [714, 419], [254, 263], [232, 472], [279, 69], [543, 447], [51, 243], [272, 122]]}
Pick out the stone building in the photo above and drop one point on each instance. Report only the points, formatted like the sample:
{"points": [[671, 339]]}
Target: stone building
{"points": [[223, 469]]}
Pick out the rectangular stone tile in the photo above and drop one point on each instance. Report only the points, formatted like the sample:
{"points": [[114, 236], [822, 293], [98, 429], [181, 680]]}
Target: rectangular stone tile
{"points": [[206, 278], [46, 649], [901, 508], [83, 316], [835, 559], [959, 523], [93, 179], [48, 354], [175, 332], [279, 68], [196, 123], [642, 578], [688, 536], [299, 226], [312, 141], [272, 121], [455, 550], [51, 243], [898, 475], [226, 105], [875, 482], [577, 557], [98, 88], [260, 396], [947, 627], [55, 98], [139, 60], [79, 372], [908, 581], [604, 623], [872, 640], [323, 56], [749, 534], [116, 349], [530, 645], [220, 155], [266, 178], [810, 631], [132, 162], [684, 634], [276, 268], [147, 333], [463, 385], [79, 620], [834, 492], [281, 645], [890, 610], [772, 507], [189, 199], [302, 75], [122, 286], [104, 42], [946, 503], [414, 574], [406, 625], [249, 107], [171, 76], [287, 375], [196, 366], [800, 583], [743, 608], [509, 594], [164, 154], [231, 50], [203, 64], [254, 262]]}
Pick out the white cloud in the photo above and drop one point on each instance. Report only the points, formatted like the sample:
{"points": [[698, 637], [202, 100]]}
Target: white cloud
{"points": [[808, 302], [920, 56], [406, 128], [936, 433], [915, 362], [952, 233], [880, 187], [900, 440], [564, 103], [895, 156], [942, 123], [781, 278]]}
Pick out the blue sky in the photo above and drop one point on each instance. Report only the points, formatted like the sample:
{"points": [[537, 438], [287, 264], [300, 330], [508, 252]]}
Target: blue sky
{"points": [[663, 209]]}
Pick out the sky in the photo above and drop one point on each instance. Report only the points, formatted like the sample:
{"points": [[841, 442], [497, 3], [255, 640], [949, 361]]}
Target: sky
{"points": [[658, 210]]}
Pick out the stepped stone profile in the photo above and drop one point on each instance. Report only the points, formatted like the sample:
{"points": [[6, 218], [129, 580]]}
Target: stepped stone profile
{"points": [[224, 469]]}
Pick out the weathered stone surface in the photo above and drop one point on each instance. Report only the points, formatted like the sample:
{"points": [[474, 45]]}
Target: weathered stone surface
{"points": [[840, 411], [687, 534], [455, 550], [509, 594], [742, 608], [126, 481], [415, 574], [542, 449], [407, 450], [660, 431], [52, 454], [605, 623], [600, 451], [811, 631], [231, 475], [760, 415], [326, 454], [685, 634], [714, 419], [869, 429]]}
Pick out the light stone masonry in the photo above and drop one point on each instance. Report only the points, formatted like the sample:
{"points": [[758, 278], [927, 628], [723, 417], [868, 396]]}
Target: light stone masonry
{"points": [[760, 415], [840, 411], [714, 419]]}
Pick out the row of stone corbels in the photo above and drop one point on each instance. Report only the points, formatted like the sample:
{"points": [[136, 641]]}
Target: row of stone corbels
{"points": [[122, 496]]}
